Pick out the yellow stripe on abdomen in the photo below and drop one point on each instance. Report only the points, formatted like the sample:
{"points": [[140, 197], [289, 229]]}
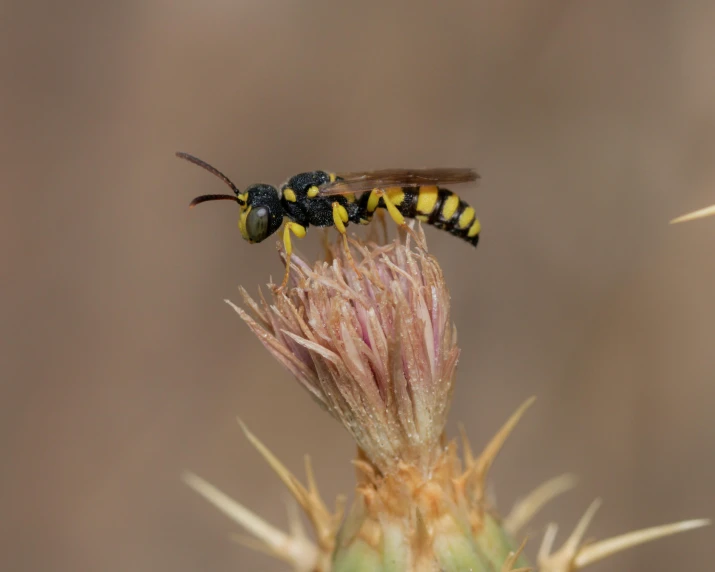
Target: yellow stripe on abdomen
{"points": [[396, 195], [466, 218], [449, 207], [426, 200]]}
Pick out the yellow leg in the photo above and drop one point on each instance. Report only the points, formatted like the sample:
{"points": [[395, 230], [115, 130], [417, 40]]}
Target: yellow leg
{"points": [[299, 231], [392, 210], [340, 217], [372, 202], [395, 214]]}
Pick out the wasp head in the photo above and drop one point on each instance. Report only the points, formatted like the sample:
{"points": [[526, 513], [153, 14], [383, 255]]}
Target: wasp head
{"points": [[261, 211]]}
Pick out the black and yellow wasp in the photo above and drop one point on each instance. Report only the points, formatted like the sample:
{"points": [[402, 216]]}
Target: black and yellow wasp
{"points": [[323, 199]]}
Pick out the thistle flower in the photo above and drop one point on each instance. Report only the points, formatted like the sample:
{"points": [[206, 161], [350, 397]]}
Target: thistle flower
{"points": [[373, 343], [376, 349]]}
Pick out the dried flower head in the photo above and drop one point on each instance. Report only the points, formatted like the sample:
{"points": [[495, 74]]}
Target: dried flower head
{"points": [[370, 338], [375, 347]]}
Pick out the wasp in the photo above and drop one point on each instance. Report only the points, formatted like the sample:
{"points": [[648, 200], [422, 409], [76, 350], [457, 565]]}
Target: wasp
{"points": [[323, 199]]}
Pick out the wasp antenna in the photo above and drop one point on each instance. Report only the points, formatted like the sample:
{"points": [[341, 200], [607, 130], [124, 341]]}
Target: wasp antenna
{"points": [[213, 170], [204, 198]]}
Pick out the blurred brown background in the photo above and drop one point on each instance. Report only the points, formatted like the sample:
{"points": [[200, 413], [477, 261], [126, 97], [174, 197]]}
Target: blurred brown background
{"points": [[592, 124]]}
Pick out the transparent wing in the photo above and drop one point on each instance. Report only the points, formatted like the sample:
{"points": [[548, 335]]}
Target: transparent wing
{"points": [[368, 180]]}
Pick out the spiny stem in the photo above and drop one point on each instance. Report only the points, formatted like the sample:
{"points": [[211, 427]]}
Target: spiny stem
{"points": [[701, 213], [297, 551], [309, 498], [483, 463], [572, 556], [604, 548], [511, 560], [525, 509]]}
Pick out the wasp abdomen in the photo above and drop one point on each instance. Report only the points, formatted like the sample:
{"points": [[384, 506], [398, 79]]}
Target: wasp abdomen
{"points": [[449, 212], [439, 207]]}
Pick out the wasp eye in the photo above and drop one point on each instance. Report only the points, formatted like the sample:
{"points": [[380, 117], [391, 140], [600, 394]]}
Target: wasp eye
{"points": [[257, 224]]}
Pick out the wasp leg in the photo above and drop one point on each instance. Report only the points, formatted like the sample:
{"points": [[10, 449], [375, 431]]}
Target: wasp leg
{"points": [[383, 224], [340, 217], [377, 234], [395, 214], [325, 241], [299, 231]]}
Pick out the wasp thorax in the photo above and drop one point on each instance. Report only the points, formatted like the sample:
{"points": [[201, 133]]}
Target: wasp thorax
{"points": [[303, 182]]}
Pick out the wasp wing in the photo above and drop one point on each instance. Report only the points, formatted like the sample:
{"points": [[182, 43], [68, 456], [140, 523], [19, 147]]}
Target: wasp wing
{"points": [[369, 180]]}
